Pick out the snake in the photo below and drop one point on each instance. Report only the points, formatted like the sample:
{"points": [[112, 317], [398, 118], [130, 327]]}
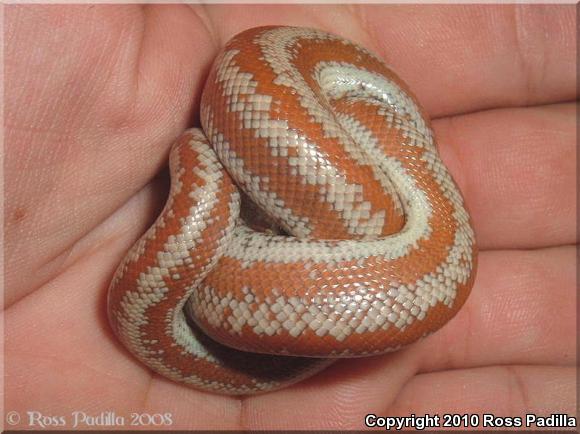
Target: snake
{"points": [[310, 219]]}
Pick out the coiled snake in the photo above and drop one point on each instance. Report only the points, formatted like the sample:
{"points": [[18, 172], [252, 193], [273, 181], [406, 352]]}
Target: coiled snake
{"points": [[365, 244]]}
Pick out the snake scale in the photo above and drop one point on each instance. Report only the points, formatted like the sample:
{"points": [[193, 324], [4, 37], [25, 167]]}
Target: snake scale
{"points": [[357, 242]]}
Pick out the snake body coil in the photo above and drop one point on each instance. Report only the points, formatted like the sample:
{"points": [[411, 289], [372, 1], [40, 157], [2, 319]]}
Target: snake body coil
{"points": [[376, 252]]}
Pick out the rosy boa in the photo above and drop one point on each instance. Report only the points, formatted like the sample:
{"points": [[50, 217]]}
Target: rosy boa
{"points": [[365, 244]]}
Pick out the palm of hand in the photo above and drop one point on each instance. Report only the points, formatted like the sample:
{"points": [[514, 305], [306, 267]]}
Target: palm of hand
{"points": [[89, 89]]}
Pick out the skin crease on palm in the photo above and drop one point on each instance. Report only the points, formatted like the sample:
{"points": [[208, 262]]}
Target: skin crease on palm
{"points": [[95, 95]]}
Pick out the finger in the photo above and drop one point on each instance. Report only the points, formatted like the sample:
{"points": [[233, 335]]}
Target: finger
{"points": [[456, 59], [476, 57], [517, 170], [522, 310], [500, 390]]}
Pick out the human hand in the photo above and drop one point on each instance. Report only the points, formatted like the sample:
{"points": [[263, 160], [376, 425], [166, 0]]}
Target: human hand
{"points": [[95, 95]]}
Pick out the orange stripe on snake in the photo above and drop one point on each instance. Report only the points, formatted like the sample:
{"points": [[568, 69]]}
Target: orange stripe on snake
{"points": [[371, 246]]}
